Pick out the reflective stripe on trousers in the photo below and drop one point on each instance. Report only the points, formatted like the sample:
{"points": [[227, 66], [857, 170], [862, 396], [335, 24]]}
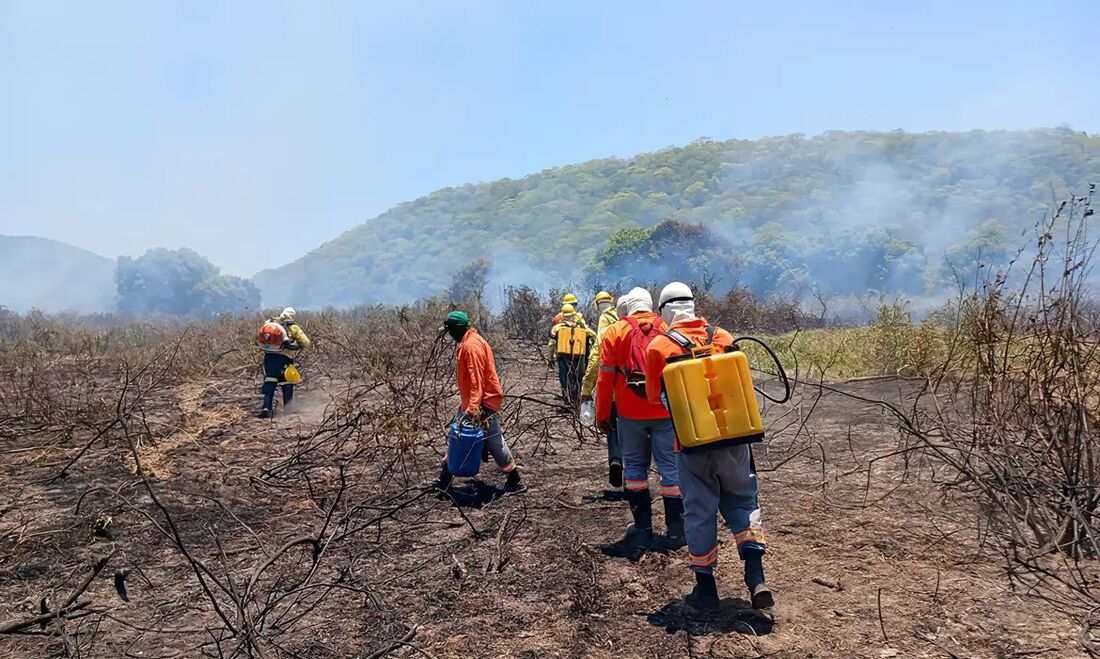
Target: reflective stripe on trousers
{"points": [[719, 481], [645, 441]]}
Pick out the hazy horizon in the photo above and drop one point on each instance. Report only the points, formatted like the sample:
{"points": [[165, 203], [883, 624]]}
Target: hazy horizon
{"points": [[253, 133]]}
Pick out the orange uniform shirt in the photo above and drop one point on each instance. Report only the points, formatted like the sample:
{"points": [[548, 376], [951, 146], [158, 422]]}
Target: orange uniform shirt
{"points": [[611, 381], [662, 347], [477, 374]]}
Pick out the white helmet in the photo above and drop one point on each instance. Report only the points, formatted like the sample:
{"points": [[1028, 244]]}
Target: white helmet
{"points": [[676, 303], [674, 292]]}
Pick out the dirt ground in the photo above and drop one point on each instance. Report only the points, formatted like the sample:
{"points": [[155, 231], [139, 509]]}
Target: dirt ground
{"points": [[518, 576]]}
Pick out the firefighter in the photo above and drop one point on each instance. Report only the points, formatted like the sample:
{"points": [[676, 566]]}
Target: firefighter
{"points": [[607, 316], [294, 339], [568, 347], [482, 397], [715, 479], [570, 299], [644, 427]]}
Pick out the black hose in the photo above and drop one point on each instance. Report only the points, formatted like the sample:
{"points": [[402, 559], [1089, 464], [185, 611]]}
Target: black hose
{"points": [[778, 365]]}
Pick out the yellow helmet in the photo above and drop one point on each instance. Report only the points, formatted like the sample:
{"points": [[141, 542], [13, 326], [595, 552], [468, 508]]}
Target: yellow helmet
{"points": [[569, 298], [568, 309], [603, 296]]}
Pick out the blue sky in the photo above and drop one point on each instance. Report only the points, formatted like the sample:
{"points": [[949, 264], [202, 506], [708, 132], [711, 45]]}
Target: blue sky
{"points": [[254, 131]]}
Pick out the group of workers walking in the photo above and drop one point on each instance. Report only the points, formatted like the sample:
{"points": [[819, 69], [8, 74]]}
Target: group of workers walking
{"points": [[621, 367]]}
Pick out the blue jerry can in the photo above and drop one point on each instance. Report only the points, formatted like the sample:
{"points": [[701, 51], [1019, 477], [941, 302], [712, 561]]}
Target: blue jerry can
{"points": [[465, 443]]}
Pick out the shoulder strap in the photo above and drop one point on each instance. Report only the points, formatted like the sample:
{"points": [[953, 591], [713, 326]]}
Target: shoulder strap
{"points": [[687, 344], [679, 339]]}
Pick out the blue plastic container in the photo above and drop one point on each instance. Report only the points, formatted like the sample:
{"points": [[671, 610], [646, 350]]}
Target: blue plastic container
{"points": [[464, 446]]}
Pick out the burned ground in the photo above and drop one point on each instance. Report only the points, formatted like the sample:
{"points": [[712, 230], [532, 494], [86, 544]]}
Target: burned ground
{"points": [[312, 536]]}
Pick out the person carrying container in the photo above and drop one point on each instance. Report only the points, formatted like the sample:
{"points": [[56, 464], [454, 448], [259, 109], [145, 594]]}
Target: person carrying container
{"points": [[644, 427], [281, 339], [608, 316], [570, 299], [481, 399], [715, 478], [569, 345]]}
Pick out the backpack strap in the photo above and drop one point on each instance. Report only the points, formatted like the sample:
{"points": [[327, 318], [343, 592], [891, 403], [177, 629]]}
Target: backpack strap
{"points": [[687, 344], [679, 339]]}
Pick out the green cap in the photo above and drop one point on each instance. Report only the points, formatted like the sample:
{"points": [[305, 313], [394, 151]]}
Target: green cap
{"points": [[457, 319]]}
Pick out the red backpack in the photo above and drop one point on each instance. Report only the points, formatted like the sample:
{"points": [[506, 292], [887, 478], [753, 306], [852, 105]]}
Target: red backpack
{"points": [[641, 335]]}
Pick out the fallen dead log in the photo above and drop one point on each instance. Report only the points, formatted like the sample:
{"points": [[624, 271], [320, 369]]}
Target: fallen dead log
{"points": [[17, 626]]}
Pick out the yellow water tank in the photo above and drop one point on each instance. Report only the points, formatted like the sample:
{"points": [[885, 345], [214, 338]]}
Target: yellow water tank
{"points": [[712, 400], [572, 340]]}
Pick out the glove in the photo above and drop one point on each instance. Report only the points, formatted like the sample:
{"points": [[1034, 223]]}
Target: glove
{"points": [[291, 345], [604, 426], [585, 399], [473, 418]]}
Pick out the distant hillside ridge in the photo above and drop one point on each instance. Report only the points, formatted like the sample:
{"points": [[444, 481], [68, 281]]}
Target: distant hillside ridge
{"points": [[39, 273], [819, 211]]}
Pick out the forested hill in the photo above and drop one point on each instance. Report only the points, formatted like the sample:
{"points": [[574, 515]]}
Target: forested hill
{"points": [[825, 210], [53, 276]]}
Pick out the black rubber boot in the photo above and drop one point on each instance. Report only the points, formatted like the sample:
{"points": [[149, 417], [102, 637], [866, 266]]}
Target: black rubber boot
{"points": [[514, 483], [269, 401], [288, 394], [615, 474], [754, 578], [704, 597], [443, 481], [674, 523], [640, 533]]}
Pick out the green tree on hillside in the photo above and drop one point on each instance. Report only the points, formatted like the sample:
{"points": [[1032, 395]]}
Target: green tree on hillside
{"points": [[671, 250], [180, 282]]}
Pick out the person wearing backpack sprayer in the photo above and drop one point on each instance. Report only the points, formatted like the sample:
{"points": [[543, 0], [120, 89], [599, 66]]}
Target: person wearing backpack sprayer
{"points": [[714, 479], [644, 428], [608, 316], [277, 363], [569, 341], [481, 394]]}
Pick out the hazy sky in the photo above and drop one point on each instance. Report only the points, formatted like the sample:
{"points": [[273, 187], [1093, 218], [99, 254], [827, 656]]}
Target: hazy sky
{"points": [[254, 131]]}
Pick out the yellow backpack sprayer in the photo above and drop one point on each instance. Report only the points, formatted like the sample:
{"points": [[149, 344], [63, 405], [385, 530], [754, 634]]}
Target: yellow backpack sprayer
{"points": [[710, 393], [572, 339]]}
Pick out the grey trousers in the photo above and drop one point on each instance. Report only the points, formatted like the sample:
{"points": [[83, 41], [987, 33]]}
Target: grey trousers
{"points": [[713, 482]]}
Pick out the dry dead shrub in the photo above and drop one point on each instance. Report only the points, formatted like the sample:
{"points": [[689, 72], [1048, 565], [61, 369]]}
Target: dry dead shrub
{"points": [[741, 311], [527, 314], [107, 399], [1012, 410]]}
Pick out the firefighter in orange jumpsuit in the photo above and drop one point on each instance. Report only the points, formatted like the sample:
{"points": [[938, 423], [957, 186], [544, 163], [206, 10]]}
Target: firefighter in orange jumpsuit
{"points": [[644, 428], [714, 478]]}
